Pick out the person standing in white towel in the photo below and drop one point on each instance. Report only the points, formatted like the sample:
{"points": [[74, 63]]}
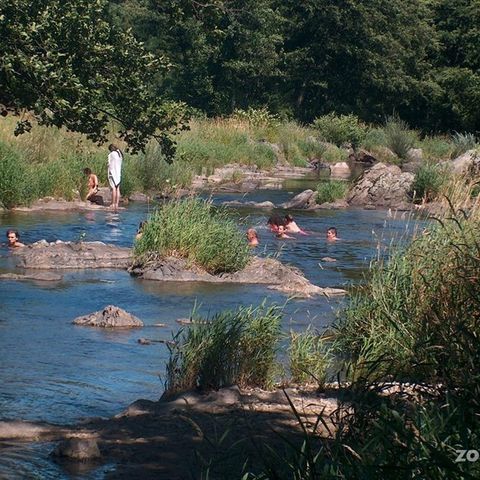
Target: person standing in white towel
{"points": [[115, 158]]}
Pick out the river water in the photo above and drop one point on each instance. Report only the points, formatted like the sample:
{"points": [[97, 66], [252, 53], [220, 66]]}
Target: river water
{"points": [[53, 371]]}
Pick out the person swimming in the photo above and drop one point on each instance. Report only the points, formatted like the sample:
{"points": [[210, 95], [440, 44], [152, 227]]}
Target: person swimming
{"points": [[252, 237], [332, 234], [281, 233], [13, 239], [274, 222], [291, 226]]}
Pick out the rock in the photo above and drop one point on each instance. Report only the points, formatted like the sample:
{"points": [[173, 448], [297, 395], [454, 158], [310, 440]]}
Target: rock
{"points": [[106, 194], [62, 255], [110, 317], [340, 170], [236, 203], [138, 197], [337, 205], [365, 157], [411, 167], [328, 259], [469, 162], [37, 276], [415, 154], [266, 271], [78, 449], [381, 185], [304, 199]]}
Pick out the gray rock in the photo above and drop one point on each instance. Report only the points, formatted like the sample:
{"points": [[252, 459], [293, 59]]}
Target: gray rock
{"points": [[236, 203], [469, 162], [303, 200], [340, 170], [36, 276], [415, 154], [381, 186], [78, 449], [109, 317], [72, 255], [266, 271]]}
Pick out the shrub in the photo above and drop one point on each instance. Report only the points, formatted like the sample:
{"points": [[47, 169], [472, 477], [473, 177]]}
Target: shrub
{"points": [[340, 129], [436, 148], [195, 230], [428, 182], [333, 154], [375, 137], [256, 117], [399, 138], [234, 347], [309, 357], [331, 190], [462, 142]]}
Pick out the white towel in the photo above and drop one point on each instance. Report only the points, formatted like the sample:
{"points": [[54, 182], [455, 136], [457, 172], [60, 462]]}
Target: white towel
{"points": [[115, 167]]}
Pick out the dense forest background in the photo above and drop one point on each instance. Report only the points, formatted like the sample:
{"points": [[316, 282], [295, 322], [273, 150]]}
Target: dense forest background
{"points": [[419, 59]]}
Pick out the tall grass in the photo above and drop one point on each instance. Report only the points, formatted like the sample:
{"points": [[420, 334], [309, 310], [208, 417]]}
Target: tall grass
{"points": [[341, 129], [462, 142], [196, 230], [399, 138], [428, 182], [331, 190], [309, 357], [234, 347]]}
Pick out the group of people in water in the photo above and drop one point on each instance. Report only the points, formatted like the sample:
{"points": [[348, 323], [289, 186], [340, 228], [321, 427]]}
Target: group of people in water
{"points": [[281, 227], [114, 175]]}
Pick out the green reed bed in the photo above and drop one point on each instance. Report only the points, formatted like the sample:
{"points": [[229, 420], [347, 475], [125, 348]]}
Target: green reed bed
{"points": [[196, 230], [231, 348], [331, 190]]}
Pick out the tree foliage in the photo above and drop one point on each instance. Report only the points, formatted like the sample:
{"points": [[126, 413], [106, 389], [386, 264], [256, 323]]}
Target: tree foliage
{"points": [[62, 62]]}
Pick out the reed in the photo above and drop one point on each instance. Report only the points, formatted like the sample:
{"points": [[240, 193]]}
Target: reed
{"points": [[233, 347], [331, 190], [194, 229]]}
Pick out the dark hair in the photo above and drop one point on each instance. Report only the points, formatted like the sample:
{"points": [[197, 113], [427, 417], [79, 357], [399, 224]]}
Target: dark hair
{"points": [[276, 220], [332, 229], [113, 148], [288, 218], [87, 171], [13, 231]]}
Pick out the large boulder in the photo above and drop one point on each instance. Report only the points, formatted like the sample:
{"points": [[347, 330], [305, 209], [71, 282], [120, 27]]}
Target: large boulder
{"points": [[72, 255], [305, 199], [77, 449], [340, 170], [110, 317], [381, 186], [469, 162], [265, 271]]}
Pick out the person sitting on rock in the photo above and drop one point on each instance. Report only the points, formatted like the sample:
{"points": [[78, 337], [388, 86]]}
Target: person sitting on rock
{"points": [[332, 234], [252, 237], [281, 233], [274, 222], [92, 187], [291, 226], [13, 239]]}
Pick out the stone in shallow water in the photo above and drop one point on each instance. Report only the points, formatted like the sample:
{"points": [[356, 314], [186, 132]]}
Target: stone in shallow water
{"points": [[110, 317], [78, 449]]}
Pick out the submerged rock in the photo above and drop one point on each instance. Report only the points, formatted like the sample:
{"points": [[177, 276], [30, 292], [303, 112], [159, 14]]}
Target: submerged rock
{"points": [[236, 203], [110, 317], [265, 271], [78, 449], [36, 276], [62, 255], [305, 199]]}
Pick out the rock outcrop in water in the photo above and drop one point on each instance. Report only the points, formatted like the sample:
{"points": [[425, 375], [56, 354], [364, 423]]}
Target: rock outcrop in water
{"points": [[110, 317], [265, 271], [74, 255]]}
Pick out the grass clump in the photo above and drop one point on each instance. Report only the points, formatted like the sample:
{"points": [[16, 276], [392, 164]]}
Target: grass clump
{"points": [[309, 358], [194, 229], [462, 142], [331, 190], [436, 148], [399, 138], [341, 129], [232, 348], [428, 182]]}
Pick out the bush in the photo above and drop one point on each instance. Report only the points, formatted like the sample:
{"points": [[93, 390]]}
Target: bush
{"points": [[333, 154], [436, 148], [234, 347], [375, 137], [195, 230], [331, 190], [462, 142], [340, 129], [309, 357], [428, 182], [399, 138]]}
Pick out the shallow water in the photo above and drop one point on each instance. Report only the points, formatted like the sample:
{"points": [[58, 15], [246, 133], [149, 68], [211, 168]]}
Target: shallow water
{"points": [[53, 371]]}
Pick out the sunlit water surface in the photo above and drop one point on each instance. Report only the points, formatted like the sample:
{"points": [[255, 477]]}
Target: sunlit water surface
{"points": [[53, 371]]}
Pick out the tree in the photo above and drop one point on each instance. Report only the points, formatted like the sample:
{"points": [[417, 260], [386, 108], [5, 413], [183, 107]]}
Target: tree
{"points": [[64, 64]]}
